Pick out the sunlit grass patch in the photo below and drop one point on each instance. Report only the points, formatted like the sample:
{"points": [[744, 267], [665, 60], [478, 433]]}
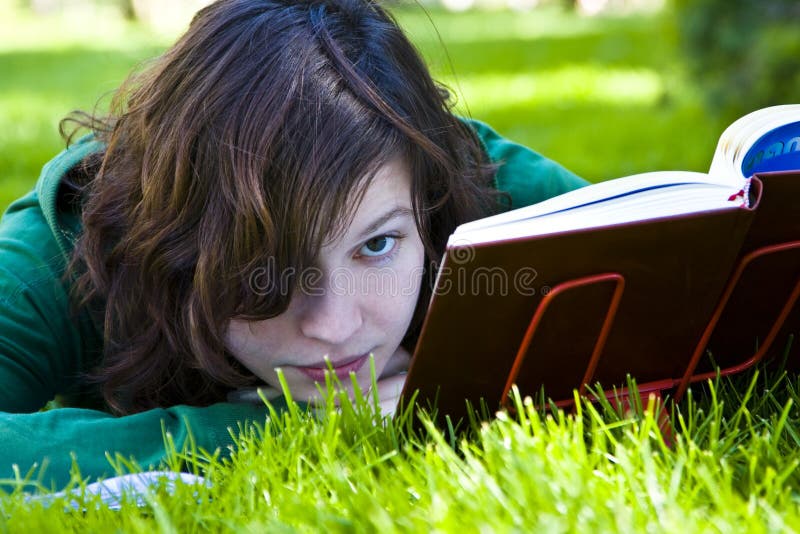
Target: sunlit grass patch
{"points": [[575, 84], [604, 96], [471, 26]]}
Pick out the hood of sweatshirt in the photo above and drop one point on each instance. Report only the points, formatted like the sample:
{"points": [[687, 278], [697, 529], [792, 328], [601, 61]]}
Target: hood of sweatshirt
{"points": [[64, 226]]}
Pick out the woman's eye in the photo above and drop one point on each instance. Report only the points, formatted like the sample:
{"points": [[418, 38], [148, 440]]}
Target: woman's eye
{"points": [[378, 246]]}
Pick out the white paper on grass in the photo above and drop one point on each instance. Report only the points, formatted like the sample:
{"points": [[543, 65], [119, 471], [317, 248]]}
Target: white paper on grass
{"points": [[136, 487]]}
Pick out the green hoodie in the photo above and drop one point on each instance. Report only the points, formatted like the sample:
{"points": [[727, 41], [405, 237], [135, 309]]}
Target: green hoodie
{"points": [[44, 351]]}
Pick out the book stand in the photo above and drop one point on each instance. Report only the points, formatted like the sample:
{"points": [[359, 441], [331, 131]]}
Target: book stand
{"points": [[619, 398], [657, 388], [619, 282], [791, 300]]}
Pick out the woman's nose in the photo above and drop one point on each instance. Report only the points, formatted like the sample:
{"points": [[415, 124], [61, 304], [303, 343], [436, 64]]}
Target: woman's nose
{"points": [[331, 315]]}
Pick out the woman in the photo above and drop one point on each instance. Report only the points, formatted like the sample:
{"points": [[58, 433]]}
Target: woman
{"points": [[245, 207]]}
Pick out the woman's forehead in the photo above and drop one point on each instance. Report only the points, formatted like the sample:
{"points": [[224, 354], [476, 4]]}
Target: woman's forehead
{"points": [[386, 196]]}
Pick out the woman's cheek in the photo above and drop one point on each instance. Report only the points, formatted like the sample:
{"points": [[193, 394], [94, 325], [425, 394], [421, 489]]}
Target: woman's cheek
{"points": [[249, 344]]}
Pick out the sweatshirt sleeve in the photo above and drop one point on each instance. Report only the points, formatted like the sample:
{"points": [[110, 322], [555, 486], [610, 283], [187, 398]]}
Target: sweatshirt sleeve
{"points": [[43, 348], [528, 177], [50, 441]]}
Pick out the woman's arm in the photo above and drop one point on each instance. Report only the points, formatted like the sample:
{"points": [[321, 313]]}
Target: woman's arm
{"points": [[57, 437]]}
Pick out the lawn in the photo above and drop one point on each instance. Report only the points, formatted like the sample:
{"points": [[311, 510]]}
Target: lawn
{"points": [[604, 96], [731, 467]]}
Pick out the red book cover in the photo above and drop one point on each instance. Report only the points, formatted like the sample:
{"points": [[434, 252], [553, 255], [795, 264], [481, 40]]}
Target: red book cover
{"points": [[674, 270]]}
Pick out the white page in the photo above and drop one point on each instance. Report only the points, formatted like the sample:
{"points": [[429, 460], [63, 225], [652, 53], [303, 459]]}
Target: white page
{"points": [[652, 204], [609, 191], [736, 140]]}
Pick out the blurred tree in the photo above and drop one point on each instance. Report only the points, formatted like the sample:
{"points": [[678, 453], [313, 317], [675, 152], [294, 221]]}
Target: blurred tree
{"points": [[128, 10], [744, 53]]}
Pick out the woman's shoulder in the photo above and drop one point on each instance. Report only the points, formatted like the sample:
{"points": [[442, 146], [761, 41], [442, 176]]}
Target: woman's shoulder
{"points": [[62, 220], [527, 176], [42, 344], [38, 223], [37, 236]]}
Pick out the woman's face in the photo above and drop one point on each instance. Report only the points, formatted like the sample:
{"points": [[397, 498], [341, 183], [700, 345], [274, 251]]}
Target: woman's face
{"points": [[359, 301]]}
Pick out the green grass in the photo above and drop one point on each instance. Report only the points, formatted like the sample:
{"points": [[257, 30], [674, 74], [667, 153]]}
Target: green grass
{"points": [[606, 97], [731, 468]]}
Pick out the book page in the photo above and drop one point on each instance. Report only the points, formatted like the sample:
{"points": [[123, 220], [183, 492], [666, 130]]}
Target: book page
{"points": [[733, 154], [642, 205], [599, 192]]}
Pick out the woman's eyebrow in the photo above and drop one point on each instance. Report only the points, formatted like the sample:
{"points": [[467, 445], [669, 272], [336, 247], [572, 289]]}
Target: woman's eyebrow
{"points": [[380, 221]]}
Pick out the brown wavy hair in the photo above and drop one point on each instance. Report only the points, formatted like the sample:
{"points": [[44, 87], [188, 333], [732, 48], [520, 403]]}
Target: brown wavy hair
{"points": [[243, 142]]}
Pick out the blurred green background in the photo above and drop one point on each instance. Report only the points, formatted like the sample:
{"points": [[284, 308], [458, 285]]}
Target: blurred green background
{"points": [[606, 87]]}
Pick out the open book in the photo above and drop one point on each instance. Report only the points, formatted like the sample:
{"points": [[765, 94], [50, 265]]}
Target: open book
{"points": [[646, 275]]}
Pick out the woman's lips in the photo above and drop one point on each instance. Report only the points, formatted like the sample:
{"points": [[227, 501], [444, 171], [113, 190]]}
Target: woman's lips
{"points": [[342, 368]]}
